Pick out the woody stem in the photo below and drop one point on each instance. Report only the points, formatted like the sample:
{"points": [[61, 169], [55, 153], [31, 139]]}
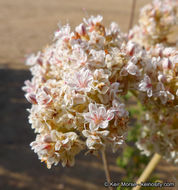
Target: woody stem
{"points": [[132, 14], [148, 170], [106, 168]]}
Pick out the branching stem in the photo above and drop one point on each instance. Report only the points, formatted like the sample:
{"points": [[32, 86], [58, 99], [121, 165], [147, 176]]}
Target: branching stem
{"points": [[148, 170], [106, 168]]}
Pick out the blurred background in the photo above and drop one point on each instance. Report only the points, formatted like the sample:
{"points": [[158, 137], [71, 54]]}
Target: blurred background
{"points": [[26, 27]]}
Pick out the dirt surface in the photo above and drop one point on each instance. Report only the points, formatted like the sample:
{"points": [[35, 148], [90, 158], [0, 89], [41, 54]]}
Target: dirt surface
{"points": [[26, 27]]}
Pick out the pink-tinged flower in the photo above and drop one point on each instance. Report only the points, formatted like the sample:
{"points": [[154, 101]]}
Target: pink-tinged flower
{"points": [[56, 146], [163, 94], [168, 51], [146, 86], [98, 117], [97, 58], [101, 81], [166, 63], [93, 20], [44, 147], [81, 29], [73, 98], [79, 56], [95, 138], [31, 98], [114, 29], [101, 75], [34, 59], [81, 81], [151, 66], [63, 33], [161, 77], [43, 96], [119, 111], [130, 48], [131, 68], [96, 39], [29, 87], [111, 94], [43, 143], [116, 140], [66, 121], [114, 90]]}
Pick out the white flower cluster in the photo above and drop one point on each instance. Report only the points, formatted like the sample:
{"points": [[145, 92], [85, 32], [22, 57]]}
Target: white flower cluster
{"points": [[156, 22], [160, 77], [161, 102], [160, 82], [74, 92], [78, 79], [160, 134]]}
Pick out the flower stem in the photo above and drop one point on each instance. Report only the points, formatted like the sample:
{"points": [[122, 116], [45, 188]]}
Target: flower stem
{"points": [[106, 168], [132, 14], [148, 170]]}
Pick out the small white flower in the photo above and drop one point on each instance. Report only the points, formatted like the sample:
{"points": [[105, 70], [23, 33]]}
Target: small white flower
{"points": [[119, 111], [81, 29], [31, 98], [95, 138], [113, 30], [167, 51], [130, 68], [93, 20], [29, 87], [166, 63], [145, 85], [111, 94], [62, 33], [81, 81], [130, 48], [66, 121], [96, 40], [151, 65], [101, 75], [79, 56], [56, 146], [116, 141], [34, 59], [97, 58], [43, 97], [98, 117], [161, 77], [163, 94]]}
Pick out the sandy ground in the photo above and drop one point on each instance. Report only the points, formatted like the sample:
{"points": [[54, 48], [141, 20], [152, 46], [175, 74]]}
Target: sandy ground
{"points": [[27, 26]]}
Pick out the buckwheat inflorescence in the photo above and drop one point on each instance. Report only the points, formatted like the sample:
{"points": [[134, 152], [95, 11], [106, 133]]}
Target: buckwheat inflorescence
{"points": [[160, 130], [157, 20], [77, 82], [74, 92]]}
